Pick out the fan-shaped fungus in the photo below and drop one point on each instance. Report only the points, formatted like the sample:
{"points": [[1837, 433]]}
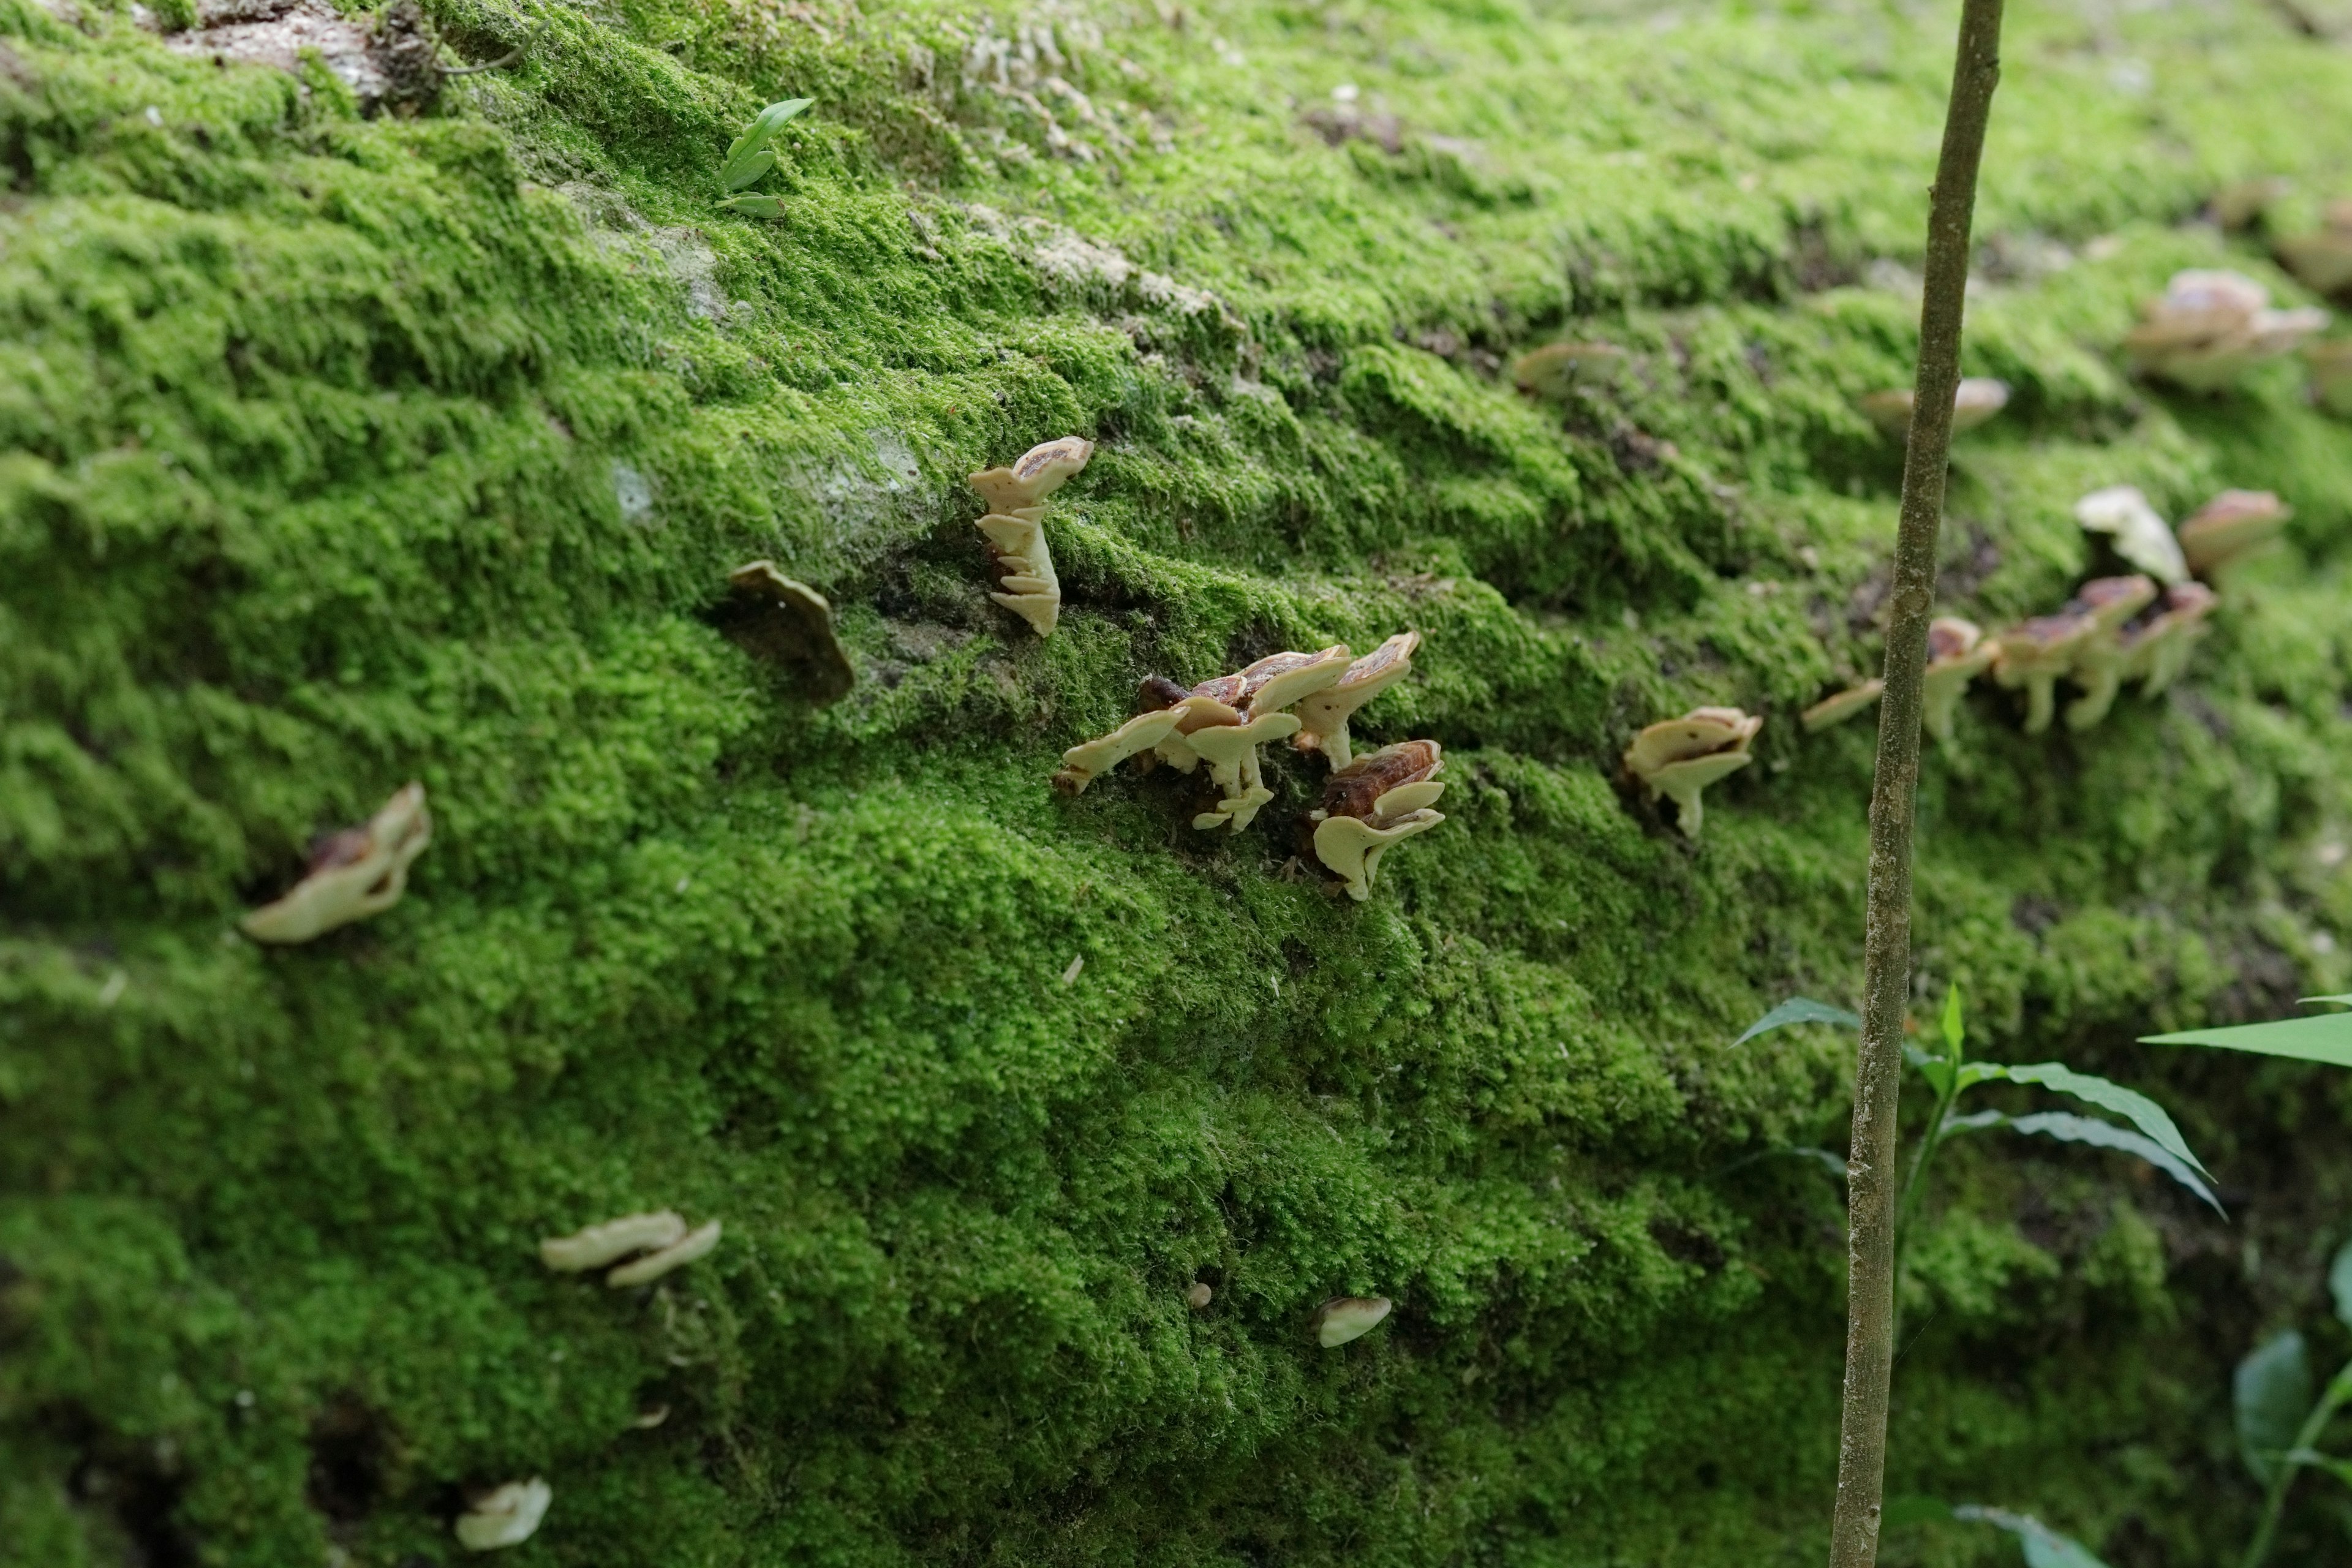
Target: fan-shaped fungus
{"points": [[1324, 715], [2157, 649], [507, 1516], [2210, 327], [1345, 1317], [1556, 370], [1230, 752], [2232, 525], [355, 873], [2099, 658], [787, 623], [1282, 680], [1842, 706], [694, 1244], [1376, 802], [1679, 758], [616, 1238], [1015, 528], [2141, 536], [2322, 259], [1958, 652], [1974, 400], [1036, 474], [2034, 654], [1082, 765]]}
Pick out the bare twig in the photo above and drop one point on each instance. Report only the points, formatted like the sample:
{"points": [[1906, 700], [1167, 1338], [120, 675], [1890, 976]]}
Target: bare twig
{"points": [[1886, 958]]}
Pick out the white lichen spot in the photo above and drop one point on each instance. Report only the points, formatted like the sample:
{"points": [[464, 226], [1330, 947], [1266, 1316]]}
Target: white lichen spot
{"points": [[632, 491], [1077, 966], [507, 1516], [353, 874]]}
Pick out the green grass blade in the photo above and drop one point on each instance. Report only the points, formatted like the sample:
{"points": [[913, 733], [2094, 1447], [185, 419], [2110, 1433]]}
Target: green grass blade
{"points": [[2325, 1038], [2129, 1103], [1955, 1029], [1800, 1010], [2272, 1391], [2067, 1127]]}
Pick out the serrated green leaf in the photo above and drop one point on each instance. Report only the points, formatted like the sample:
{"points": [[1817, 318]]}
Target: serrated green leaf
{"points": [[2326, 1038], [2044, 1547], [1800, 1010], [2069, 1128], [2339, 1282], [2143, 1112], [2272, 1391], [1954, 1031]]}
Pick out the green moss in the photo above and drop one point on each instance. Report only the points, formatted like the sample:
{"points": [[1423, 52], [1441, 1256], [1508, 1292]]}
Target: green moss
{"points": [[339, 451]]}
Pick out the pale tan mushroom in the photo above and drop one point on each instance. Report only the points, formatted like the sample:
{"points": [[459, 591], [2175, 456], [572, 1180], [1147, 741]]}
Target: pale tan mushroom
{"points": [[1230, 752], [2157, 649], [1974, 400], [1282, 680], [2142, 537], [1082, 765], [1675, 759], [2232, 525], [599, 1245], [506, 1516], [1324, 715], [1373, 803], [694, 1244], [1842, 706], [353, 874], [2331, 376], [1014, 527], [2034, 654], [1198, 1294], [787, 623], [1556, 370], [1036, 474], [2099, 658], [1958, 652], [1345, 1317], [2322, 259], [2210, 327]]}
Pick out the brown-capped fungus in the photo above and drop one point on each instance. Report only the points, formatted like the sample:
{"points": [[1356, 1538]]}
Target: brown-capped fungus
{"points": [[2100, 662], [790, 623], [1345, 1317], [2210, 327], [1323, 717], [1557, 370], [2034, 654], [1974, 400], [1376, 800], [2230, 526], [505, 1516], [1841, 706], [353, 874], [1014, 528], [2141, 536], [2156, 647], [1677, 758], [1958, 652], [1082, 765], [2322, 259]]}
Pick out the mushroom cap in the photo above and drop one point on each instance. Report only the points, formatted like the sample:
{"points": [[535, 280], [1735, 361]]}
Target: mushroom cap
{"points": [[2141, 534], [1954, 644], [694, 1244], [1696, 733], [598, 1245], [1222, 744], [1351, 848], [2185, 604], [1345, 1317], [506, 1517], [1201, 710], [1035, 474], [1676, 778], [2211, 290], [2228, 525], [774, 618], [2112, 601], [1358, 789], [1325, 712], [1083, 762], [2044, 645], [352, 873], [1974, 400], [1554, 369], [1842, 706], [1280, 679]]}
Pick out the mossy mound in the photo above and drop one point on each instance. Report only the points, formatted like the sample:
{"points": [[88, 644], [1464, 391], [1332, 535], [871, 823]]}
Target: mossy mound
{"points": [[339, 449]]}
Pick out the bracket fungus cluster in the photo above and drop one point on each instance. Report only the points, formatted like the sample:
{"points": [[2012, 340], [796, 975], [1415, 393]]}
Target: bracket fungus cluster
{"points": [[353, 874], [1014, 528], [788, 624], [1839, 707], [1224, 721], [1974, 401], [2210, 327], [1679, 758], [504, 1516], [1345, 1317], [2322, 259], [660, 1237]]}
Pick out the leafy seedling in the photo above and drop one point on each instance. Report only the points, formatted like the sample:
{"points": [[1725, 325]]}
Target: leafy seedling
{"points": [[749, 157], [2280, 1423]]}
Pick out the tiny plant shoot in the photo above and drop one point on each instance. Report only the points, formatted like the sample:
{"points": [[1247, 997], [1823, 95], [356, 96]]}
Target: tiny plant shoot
{"points": [[749, 157]]}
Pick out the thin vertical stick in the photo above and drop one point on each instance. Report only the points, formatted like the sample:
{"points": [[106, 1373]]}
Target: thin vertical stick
{"points": [[1887, 957]]}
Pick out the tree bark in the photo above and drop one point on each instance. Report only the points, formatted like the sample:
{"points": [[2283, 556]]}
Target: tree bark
{"points": [[1887, 957]]}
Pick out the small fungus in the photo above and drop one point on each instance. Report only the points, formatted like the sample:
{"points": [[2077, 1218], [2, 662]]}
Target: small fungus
{"points": [[2100, 659], [2141, 536], [507, 1516], [2232, 525], [2157, 649], [1844, 705], [353, 874], [1974, 400], [1958, 652], [2322, 259], [694, 1244], [2034, 654], [1282, 680], [1199, 1296], [1023, 564], [1038, 473], [614, 1240], [2210, 327], [1376, 802], [1677, 758], [1081, 765], [1556, 370], [1230, 752], [1324, 715], [2331, 376], [787, 623], [1345, 1317]]}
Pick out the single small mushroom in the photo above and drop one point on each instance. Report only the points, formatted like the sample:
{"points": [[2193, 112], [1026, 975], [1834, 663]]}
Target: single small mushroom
{"points": [[694, 1244], [1324, 715], [2034, 654], [1230, 752], [2141, 536], [1958, 652], [1282, 680], [2099, 659], [1376, 802], [355, 873], [2230, 526], [1199, 1296], [2156, 647], [1038, 473], [2210, 327], [598, 1245], [1345, 1317], [2322, 259], [1014, 528], [1976, 399], [2331, 376], [506, 1516], [1842, 706], [1557, 370], [1675, 759], [1082, 765], [787, 623]]}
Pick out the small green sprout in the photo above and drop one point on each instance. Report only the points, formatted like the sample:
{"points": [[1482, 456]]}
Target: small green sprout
{"points": [[749, 157]]}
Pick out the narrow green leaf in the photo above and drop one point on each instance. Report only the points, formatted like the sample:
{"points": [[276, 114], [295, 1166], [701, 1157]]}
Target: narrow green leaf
{"points": [[2343, 1000], [755, 206], [741, 172], [2044, 1547], [746, 148], [2272, 1394], [1954, 1030], [2143, 1112], [2339, 1282], [2326, 1038], [1938, 1070], [1800, 1010], [2067, 1127]]}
